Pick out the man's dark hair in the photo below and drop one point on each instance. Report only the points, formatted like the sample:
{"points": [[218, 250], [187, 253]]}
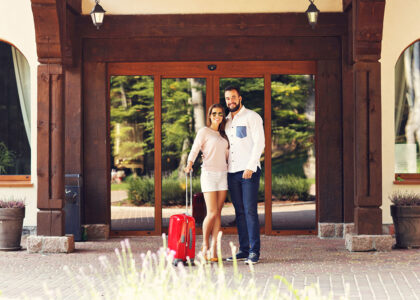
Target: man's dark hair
{"points": [[233, 88]]}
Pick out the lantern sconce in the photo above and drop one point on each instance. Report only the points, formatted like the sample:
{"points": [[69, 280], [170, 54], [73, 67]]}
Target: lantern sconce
{"points": [[97, 14], [312, 13]]}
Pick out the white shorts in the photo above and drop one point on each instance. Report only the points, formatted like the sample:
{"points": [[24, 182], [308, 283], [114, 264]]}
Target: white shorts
{"points": [[213, 181]]}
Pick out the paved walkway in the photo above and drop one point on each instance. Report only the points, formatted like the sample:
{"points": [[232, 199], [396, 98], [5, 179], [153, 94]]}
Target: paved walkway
{"points": [[284, 216], [301, 259]]}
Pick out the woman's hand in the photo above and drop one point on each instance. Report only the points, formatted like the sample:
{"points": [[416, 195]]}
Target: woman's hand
{"points": [[188, 168]]}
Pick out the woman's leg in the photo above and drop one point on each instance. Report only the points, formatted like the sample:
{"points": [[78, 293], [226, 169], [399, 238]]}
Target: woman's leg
{"points": [[209, 220], [221, 197]]}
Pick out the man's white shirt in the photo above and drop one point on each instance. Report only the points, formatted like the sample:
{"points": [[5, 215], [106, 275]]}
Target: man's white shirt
{"points": [[246, 139]]}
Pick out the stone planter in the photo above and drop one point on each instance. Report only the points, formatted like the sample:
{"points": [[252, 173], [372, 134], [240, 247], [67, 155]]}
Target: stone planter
{"points": [[11, 222], [407, 225]]}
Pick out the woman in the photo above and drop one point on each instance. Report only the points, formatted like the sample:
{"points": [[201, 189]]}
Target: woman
{"points": [[214, 144]]}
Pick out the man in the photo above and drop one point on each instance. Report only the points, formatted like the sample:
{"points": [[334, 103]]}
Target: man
{"points": [[245, 131]]}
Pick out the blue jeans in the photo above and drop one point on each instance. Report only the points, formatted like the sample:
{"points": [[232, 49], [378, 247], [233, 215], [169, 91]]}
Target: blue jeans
{"points": [[244, 194]]}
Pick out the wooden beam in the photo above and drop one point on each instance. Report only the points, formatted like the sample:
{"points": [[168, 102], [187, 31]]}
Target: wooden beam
{"points": [[205, 25], [329, 141], [347, 4], [47, 31], [216, 48], [367, 24], [368, 16], [50, 150]]}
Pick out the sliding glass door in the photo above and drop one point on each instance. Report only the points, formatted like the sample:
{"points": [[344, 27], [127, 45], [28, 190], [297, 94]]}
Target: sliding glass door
{"points": [[156, 110]]}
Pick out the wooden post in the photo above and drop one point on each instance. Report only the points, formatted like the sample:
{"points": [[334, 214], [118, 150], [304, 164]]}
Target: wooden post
{"points": [[50, 218], [366, 38]]}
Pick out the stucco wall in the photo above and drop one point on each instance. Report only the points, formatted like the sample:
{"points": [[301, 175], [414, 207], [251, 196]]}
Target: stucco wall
{"points": [[401, 28], [17, 28], [132, 7]]}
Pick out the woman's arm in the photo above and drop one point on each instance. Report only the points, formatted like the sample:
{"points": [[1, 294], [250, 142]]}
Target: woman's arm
{"points": [[195, 149]]}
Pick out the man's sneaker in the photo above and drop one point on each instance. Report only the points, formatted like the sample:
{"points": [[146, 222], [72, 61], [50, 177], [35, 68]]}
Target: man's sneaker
{"points": [[252, 259], [239, 256]]}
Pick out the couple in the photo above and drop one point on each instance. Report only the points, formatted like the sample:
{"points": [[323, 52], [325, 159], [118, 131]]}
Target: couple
{"points": [[231, 148]]}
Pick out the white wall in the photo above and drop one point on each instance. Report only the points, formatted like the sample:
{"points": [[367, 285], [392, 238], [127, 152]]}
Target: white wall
{"points": [[132, 7], [401, 28], [17, 28]]}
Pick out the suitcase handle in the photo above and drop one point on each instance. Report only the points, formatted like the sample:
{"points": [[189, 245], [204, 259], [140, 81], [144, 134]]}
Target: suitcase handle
{"points": [[186, 192]]}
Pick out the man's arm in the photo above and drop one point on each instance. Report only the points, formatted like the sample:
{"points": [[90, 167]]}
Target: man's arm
{"points": [[258, 139]]}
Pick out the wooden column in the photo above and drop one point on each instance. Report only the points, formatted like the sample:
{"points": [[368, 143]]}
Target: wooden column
{"points": [[366, 37], [50, 219]]}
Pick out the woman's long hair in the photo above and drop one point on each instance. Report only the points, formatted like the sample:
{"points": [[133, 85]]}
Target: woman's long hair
{"points": [[222, 125]]}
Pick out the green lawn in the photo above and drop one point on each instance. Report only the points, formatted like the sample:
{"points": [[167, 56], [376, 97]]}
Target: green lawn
{"points": [[123, 186]]}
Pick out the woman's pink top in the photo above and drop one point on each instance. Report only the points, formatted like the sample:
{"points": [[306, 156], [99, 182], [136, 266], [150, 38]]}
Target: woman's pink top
{"points": [[215, 150]]}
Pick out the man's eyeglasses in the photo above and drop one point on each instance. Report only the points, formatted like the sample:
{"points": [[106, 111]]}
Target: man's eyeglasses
{"points": [[220, 114]]}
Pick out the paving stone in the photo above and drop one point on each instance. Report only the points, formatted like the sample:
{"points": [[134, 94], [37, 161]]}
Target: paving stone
{"points": [[357, 243], [34, 244], [383, 242], [303, 260], [326, 230], [348, 228], [339, 230], [50, 244]]}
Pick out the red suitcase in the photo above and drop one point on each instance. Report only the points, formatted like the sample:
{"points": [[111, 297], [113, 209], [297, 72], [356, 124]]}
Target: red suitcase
{"points": [[181, 234]]}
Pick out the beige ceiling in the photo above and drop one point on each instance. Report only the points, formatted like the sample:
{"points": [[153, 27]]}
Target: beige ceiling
{"points": [[134, 7]]}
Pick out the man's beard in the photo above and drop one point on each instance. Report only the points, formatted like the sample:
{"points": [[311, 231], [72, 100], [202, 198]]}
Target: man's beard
{"points": [[235, 108]]}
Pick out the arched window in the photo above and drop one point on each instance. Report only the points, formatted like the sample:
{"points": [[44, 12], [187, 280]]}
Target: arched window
{"points": [[15, 114], [407, 114]]}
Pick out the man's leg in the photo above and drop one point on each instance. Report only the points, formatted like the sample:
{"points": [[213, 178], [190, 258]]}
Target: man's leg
{"points": [[250, 202], [235, 190]]}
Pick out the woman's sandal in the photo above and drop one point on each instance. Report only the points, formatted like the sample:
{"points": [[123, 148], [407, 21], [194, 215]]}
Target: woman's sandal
{"points": [[213, 259], [204, 253]]}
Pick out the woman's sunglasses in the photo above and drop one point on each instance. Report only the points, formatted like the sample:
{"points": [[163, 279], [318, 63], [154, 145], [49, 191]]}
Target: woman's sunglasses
{"points": [[220, 114]]}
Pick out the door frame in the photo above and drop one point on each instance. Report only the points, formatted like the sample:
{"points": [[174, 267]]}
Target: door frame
{"points": [[261, 69]]}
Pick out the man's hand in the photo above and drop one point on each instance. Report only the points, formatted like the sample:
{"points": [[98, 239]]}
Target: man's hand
{"points": [[247, 174]]}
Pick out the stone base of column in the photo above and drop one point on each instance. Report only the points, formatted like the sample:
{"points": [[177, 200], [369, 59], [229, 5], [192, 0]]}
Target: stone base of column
{"points": [[363, 243], [334, 230], [95, 232], [50, 244]]}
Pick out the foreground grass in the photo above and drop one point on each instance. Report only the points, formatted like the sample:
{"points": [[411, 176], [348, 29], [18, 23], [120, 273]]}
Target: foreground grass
{"points": [[155, 277]]}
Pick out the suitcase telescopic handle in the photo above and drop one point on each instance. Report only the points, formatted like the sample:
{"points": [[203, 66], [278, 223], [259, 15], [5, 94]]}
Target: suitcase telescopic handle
{"points": [[186, 191]]}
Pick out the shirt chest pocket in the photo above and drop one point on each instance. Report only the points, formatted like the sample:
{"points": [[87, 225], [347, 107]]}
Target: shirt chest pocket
{"points": [[241, 131]]}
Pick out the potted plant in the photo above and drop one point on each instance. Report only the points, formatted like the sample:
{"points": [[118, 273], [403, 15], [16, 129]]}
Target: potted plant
{"points": [[12, 212], [405, 213]]}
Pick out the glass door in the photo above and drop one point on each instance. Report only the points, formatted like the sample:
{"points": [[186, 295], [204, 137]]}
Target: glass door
{"points": [[183, 114], [156, 110], [132, 153], [252, 92], [293, 191]]}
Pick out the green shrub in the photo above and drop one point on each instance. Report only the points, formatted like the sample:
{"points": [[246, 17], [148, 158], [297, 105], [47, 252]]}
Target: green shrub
{"points": [[291, 187], [141, 190], [288, 187]]}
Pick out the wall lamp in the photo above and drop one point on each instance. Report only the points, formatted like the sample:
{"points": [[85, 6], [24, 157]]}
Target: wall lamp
{"points": [[97, 14], [312, 13]]}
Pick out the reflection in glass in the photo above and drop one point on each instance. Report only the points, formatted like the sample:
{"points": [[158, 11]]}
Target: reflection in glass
{"points": [[132, 153], [183, 114], [293, 151], [15, 112], [407, 108], [252, 92]]}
